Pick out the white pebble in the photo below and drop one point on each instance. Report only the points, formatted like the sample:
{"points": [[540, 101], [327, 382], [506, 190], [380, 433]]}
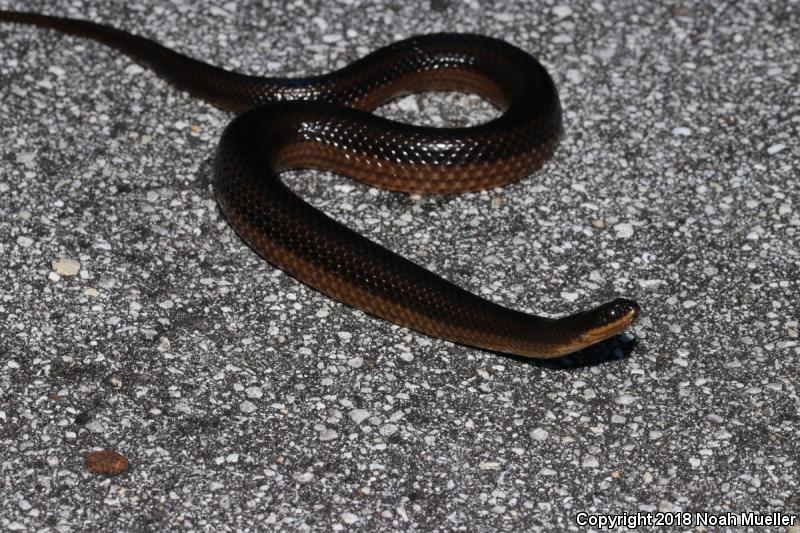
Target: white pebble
{"points": [[626, 399], [539, 434], [624, 230], [604, 54], [247, 407], [304, 477], [25, 242], [25, 157], [96, 426], [328, 434], [359, 415], [164, 345], [349, 518], [574, 76], [570, 296], [321, 23], [387, 430], [562, 11], [134, 69], [404, 219], [681, 131], [65, 266], [408, 104], [254, 392], [590, 461], [775, 148]]}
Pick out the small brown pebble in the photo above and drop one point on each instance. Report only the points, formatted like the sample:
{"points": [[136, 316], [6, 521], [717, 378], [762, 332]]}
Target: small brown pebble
{"points": [[369, 362], [106, 462], [280, 459]]}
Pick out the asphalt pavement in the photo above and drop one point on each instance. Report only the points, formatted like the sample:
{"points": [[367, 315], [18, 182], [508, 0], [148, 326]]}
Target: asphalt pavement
{"points": [[134, 319]]}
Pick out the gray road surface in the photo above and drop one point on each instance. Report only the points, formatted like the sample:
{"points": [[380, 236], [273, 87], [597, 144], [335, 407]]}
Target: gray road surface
{"points": [[245, 400]]}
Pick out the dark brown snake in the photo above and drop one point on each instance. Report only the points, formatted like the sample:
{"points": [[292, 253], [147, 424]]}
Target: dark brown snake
{"points": [[324, 122]]}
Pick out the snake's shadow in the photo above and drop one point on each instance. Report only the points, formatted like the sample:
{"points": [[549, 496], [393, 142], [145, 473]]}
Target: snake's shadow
{"points": [[204, 176], [617, 348]]}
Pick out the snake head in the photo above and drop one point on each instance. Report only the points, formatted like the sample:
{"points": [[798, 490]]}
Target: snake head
{"points": [[607, 320], [583, 329]]}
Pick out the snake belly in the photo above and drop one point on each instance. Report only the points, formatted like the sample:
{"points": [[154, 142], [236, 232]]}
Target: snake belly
{"points": [[325, 122]]}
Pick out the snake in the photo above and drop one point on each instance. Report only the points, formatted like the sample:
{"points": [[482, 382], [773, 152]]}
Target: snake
{"points": [[326, 122]]}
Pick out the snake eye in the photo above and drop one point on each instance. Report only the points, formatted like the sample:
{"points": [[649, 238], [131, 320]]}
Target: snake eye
{"points": [[621, 308]]}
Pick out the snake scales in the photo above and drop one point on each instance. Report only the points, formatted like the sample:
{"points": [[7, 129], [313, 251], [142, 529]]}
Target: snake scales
{"points": [[325, 122]]}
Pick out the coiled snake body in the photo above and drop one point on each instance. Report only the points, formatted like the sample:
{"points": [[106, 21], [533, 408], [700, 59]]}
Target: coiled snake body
{"points": [[325, 122]]}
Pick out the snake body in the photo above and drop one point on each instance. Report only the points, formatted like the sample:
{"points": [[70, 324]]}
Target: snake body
{"points": [[325, 122]]}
